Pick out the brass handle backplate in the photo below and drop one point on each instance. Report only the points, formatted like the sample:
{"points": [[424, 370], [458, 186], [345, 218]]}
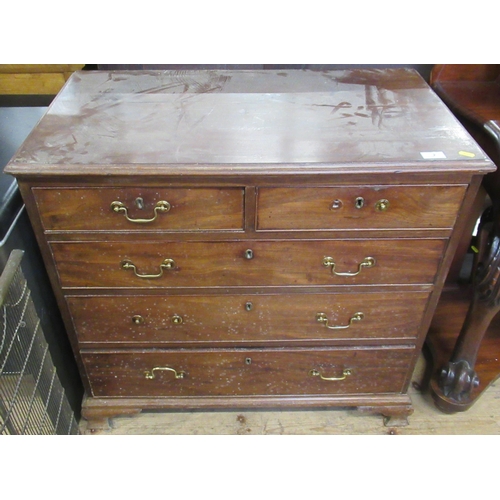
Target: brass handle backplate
{"points": [[177, 320], [137, 319], [166, 264], [150, 375], [367, 262], [336, 204], [322, 318], [345, 374], [160, 207], [382, 205]]}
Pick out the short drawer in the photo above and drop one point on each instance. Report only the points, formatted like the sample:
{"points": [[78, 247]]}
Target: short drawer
{"points": [[126, 209], [364, 207], [241, 372], [246, 319], [246, 263]]}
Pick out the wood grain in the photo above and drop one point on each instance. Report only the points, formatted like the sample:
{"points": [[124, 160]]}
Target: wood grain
{"points": [[90, 209], [228, 133], [224, 372], [482, 419], [412, 207], [245, 319], [46, 79], [224, 264], [220, 119]]}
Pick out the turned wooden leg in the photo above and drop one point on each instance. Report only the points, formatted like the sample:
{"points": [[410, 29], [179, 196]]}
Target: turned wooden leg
{"points": [[457, 379]]}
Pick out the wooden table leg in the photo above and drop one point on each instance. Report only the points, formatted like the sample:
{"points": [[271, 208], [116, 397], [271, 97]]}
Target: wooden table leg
{"points": [[454, 385]]}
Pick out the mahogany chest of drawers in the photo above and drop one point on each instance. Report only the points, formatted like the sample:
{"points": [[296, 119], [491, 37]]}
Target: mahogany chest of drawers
{"points": [[243, 239]]}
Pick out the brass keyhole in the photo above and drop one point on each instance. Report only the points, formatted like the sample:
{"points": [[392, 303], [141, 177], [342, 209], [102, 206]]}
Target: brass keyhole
{"points": [[139, 202], [248, 306], [249, 254], [360, 202], [248, 361]]}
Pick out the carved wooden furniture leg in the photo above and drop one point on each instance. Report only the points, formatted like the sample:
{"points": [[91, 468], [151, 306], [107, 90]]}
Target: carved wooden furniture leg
{"points": [[458, 377]]}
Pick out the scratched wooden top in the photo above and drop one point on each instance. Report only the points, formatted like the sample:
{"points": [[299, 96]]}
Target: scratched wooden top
{"points": [[213, 121]]}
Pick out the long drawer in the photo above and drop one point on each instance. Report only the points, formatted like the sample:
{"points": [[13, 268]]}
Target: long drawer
{"points": [[126, 209], [246, 263], [241, 372], [266, 319], [359, 207]]}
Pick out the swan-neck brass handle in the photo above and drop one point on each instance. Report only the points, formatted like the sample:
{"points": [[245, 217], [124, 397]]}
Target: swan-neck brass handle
{"points": [[345, 374], [322, 318], [160, 207], [166, 264], [150, 375], [137, 319], [367, 262]]}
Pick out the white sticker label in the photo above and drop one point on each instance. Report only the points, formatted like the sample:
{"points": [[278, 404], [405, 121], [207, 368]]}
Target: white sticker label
{"points": [[433, 155]]}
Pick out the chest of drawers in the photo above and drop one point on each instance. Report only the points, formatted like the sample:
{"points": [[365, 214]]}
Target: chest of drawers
{"points": [[245, 239]]}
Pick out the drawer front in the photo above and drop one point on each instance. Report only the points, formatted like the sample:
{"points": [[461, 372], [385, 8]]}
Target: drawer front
{"points": [[109, 209], [182, 320], [369, 207], [247, 372], [245, 263]]}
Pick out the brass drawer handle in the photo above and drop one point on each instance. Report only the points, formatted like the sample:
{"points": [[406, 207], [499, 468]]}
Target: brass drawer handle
{"points": [[322, 318], [161, 207], [139, 320], [345, 374], [150, 375], [367, 262], [166, 264]]}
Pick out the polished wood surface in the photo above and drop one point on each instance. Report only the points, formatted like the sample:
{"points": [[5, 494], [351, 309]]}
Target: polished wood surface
{"points": [[365, 207], [248, 372], [472, 90], [386, 317], [238, 136], [225, 263], [255, 121], [188, 209]]}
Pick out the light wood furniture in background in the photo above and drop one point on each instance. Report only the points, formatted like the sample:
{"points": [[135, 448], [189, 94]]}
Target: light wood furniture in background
{"points": [[46, 79], [248, 239]]}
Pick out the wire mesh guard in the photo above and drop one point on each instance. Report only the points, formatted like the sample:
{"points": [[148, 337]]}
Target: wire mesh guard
{"points": [[32, 399]]}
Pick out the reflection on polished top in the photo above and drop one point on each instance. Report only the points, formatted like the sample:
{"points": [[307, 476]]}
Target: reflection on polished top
{"points": [[246, 121]]}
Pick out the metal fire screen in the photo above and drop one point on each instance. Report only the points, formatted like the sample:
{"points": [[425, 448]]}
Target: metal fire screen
{"points": [[32, 399]]}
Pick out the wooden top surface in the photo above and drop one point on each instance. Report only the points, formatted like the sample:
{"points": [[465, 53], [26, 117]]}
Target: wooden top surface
{"points": [[478, 101], [213, 121]]}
